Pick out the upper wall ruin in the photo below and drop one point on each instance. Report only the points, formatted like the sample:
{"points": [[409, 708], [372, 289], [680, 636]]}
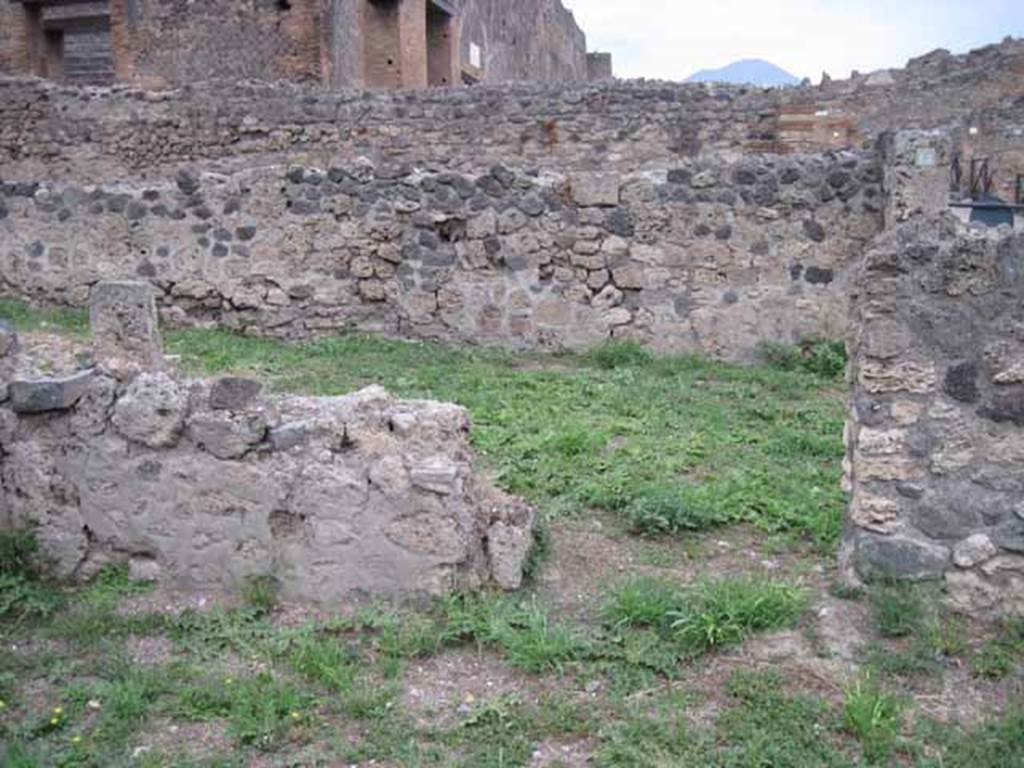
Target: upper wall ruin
{"points": [[368, 43]]}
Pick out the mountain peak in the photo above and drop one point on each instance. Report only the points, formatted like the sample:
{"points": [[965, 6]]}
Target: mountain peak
{"points": [[747, 71]]}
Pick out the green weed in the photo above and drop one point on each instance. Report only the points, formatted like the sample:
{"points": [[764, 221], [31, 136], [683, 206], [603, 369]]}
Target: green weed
{"points": [[714, 614], [873, 717]]}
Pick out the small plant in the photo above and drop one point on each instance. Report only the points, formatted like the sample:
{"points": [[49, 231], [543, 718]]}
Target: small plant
{"points": [[23, 594], [260, 592], [873, 717], [619, 354], [641, 601], [898, 609], [661, 509], [826, 359], [714, 614], [995, 660]]}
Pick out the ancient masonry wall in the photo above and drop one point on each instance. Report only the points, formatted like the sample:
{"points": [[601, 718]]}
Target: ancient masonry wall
{"points": [[677, 241], [202, 485], [936, 433], [707, 255]]}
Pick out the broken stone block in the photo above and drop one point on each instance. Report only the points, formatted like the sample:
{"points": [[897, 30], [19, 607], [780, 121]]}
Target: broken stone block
{"points": [[42, 395], [152, 410], [124, 325], [232, 393], [595, 189], [508, 546]]}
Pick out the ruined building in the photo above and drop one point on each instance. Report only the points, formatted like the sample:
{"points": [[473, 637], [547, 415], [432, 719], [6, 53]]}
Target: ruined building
{"points": [[687, 218], [360, 43]]}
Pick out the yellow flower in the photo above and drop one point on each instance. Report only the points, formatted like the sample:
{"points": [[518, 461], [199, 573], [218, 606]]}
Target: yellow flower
{"points": [[296, 715], [58, 710], [76, 739], [54, 721], [3, 704]]}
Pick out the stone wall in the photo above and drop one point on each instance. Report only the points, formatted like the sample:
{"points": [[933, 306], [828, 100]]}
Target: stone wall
{"points": [[936, 433], [707, 255], [204, 484]]}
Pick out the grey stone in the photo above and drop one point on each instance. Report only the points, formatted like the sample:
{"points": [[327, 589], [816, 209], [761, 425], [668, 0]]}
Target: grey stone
{"points": [[42, 395], [898, 556], [814, 230], [233, 393], [226, 435], [595, 189], [288, 436], [508, 547]]}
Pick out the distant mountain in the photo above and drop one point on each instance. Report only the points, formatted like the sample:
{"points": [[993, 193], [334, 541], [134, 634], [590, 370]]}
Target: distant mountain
{"points": [[748, 71]]}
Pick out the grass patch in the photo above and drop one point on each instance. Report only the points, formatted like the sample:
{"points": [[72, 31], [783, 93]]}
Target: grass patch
{"points": [[705, 616], [670, 444], [25, 318]]}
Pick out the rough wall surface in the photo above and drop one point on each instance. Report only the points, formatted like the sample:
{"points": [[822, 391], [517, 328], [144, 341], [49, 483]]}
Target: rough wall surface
{"points": [[205, 484], [14, 55], [708, 255], [163, 43], [936, 435], [540, 41]]}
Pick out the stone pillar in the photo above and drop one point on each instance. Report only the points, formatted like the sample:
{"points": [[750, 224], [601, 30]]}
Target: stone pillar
{"points": [[8, 351], [935, 441], [126, 337], [917, 167]]}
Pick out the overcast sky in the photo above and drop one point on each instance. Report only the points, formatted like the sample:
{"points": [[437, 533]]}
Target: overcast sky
{"points": [[671, 39]]}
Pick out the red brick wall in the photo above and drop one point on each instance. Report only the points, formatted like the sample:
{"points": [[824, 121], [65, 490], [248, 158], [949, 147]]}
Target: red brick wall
{"points": [[160, 43], [14, 58]]}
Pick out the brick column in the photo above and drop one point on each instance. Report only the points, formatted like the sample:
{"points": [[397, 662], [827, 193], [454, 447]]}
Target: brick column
{"points": [[412, 37]]}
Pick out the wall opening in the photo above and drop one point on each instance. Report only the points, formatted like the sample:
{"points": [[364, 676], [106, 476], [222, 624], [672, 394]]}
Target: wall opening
{"points": [[382, 67], [53, 54], [440, 46]]}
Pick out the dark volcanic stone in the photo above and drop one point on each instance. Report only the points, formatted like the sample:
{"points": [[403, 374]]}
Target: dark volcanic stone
{"points": [[233, 393], [961, 382], [42, 395], [814, 230]]}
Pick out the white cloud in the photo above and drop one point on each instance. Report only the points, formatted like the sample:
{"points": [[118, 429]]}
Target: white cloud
{"points": [[671, 39]]}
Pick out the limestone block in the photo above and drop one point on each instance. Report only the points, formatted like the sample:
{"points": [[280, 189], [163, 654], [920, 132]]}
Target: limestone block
{"points": [[124, 325], [875, 513], [41, 395], [595, 189], [152, 410], [436, 475], [880, 377], [973, 551]]}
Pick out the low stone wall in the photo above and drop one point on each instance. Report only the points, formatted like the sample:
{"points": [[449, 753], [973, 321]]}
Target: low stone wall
{"points": [[936, 435], [204, 484], [711, 254]]}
